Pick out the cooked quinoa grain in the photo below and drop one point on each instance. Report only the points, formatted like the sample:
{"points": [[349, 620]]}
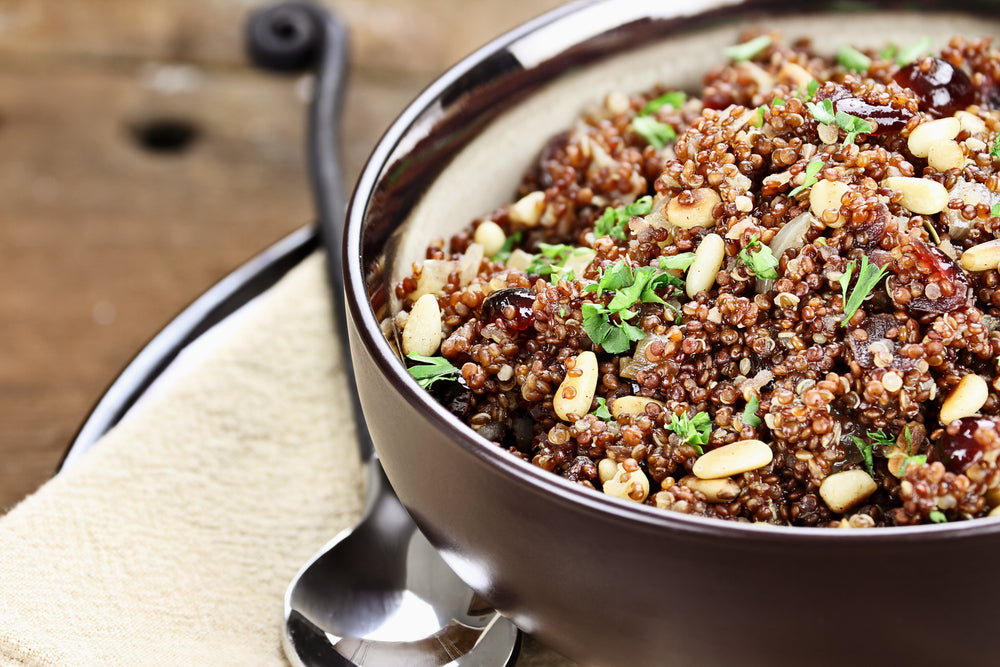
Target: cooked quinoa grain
{"points": [[781, 294]]}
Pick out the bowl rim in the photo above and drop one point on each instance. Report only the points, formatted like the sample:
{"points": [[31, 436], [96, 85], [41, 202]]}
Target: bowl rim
{"points": [[467, 442]]}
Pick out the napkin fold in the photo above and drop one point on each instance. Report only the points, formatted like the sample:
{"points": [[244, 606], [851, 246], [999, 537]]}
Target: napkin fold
{"points": [[172, 541]]}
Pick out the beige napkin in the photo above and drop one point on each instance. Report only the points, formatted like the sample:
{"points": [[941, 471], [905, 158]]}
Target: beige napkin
{"points": [[172, 541]]}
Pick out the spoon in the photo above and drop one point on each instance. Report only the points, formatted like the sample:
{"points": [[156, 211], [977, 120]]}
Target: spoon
{"points": [[378, 594]]}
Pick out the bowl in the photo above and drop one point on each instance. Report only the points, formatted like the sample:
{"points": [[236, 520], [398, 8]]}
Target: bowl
{"points": [[602, 580]]}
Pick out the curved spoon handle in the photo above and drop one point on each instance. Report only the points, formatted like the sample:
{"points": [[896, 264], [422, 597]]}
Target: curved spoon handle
{"points": [[294, 37]]}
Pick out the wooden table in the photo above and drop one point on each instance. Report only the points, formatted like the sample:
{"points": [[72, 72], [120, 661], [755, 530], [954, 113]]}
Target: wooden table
{"points": [[142, 159]]}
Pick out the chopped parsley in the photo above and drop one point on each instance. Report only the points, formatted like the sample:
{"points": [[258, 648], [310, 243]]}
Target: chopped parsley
{"points": [[759, 258], [852, 59], [869, 276], [694, 430], [558, 261], [679, 261], [432, 370], [866, 453], [937, 516], [995, 210], [995, 150], [503, 254], [673, 99], [852, 125], [810, 179], [749, 416], [601, 411], [657, 134], [613, 221], [609, 326], [908, 54], [812, 88], [747, 50], [883, 439]]}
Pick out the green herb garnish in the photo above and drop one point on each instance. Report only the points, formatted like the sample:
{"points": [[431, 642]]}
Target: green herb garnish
{"points": [[812, 88], [601, 411], [750, 417], [557, 261], [614, 220], [995, 149], [888, 52], [866, 453], [869, 276], [852, 125], [747, 50], [777, 102], [883, 439], [852, 59], [432, 370], [810, 179], [995, 209], [673, 99], [908, 54], [656, 134], [679, 261], [937, 516], [761, 261], [693, 431], [503, 254]]}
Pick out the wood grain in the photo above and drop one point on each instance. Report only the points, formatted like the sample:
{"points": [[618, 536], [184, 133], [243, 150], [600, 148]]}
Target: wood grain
{"points": [[102, 240]]}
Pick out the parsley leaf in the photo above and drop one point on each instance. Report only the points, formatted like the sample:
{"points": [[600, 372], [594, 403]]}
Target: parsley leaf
{"points": [[762, 262], [694, 430], [866, 453], [674, 99], [995, 210], [601, 411], [995, 150], [503, 254], [559, 261], [434, 369], [908, 54], [810, 180], [750, 417], [852, 59], [852, 125], [822, 112], [869, 276], [613, 221], [680, 261], [937, 516], [747, 50], [881, 438], [657, 134], [845, 280], [812, 88]]}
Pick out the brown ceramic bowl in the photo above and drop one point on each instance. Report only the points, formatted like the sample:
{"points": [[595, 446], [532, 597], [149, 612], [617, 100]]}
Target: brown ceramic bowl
{"points": [[599, 579]]}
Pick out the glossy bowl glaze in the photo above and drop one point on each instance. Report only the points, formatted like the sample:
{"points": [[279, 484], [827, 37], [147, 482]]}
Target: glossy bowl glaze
{"points": [[599, 579]]}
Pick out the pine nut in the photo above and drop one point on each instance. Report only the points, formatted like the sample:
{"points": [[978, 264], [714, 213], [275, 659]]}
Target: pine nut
{"points": [[632, 406], [920, 195], [574, 396], [715, 490], [528, 209], [828, 195], [520, 259], [970, 122], [468, 263], [422, 331], [433, 277], [694, 213], [982, 257], [606, 469], [707, 262], [795, 74], [846, 489], [630, 485], [733, 459], [926, 134], [965, 400], [945, 155], [490, 235]]}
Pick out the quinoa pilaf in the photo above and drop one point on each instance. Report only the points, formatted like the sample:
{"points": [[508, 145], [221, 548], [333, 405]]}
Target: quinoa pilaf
{"points": [[775, 301]]}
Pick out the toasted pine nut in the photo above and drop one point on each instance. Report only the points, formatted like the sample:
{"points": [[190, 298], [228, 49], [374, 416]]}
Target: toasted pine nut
{"points": [[528, 209], [733, 459], [970, 122], [422, 331], [965, 400], [715, 490], [606, 469], [573, 397], [795, 74], [945, 155], [628, 484], [926, 134], [708, 260], [826, 195], [982, 257], [631, 405], [694, 213], [920, 195], [490, 235], [846, 489]]}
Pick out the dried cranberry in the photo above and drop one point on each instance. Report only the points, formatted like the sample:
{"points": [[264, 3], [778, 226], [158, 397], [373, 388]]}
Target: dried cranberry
{"points": [[887, 118], [941, 87], [960, 446], [510, 307], [944, 272], [868, 233]]}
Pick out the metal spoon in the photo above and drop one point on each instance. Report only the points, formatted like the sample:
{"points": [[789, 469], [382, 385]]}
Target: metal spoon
{"points": [[378, 594]]}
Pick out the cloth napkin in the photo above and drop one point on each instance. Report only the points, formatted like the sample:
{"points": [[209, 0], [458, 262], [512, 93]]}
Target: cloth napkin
{"points": [[172, 541]]}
